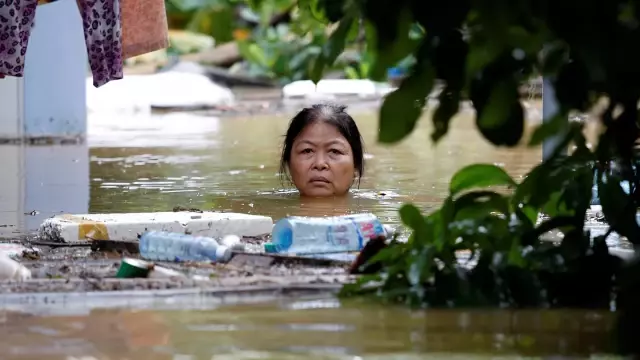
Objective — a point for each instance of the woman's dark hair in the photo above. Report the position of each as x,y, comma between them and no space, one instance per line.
331,114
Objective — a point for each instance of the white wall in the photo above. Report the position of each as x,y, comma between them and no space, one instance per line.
50,99
11,189
11,126
45,179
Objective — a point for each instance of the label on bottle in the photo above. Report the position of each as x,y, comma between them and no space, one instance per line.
342,235
371,229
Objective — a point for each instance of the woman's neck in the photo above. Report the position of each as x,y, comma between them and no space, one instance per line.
325,206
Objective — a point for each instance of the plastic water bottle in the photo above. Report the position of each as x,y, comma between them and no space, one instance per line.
166,246
317,235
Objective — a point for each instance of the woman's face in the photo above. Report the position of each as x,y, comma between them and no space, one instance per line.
321,162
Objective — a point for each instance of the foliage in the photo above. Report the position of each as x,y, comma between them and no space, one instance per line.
509,265
482,51
210,17
270,56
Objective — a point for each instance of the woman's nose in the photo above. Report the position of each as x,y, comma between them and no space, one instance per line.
320,162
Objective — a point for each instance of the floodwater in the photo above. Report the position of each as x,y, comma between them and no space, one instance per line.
321,328
232,165
153,163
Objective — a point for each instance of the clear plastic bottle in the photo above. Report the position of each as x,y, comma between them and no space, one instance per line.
166,246
317,235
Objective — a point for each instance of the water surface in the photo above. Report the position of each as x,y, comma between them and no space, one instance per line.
321,328
153,163
232,165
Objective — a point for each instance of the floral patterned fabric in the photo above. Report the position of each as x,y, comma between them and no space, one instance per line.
103,35
16,21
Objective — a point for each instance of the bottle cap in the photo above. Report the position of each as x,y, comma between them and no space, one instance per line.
270,247
389,231
223,254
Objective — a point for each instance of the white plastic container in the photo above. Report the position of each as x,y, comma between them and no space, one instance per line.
13,270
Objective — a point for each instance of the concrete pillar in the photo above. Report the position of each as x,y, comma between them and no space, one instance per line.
50,100
549,109
39,182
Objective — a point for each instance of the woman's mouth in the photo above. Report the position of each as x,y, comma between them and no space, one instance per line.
319,180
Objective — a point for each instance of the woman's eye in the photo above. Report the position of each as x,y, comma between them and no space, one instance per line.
306,151
335,151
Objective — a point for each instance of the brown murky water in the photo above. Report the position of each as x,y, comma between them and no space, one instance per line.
144,163
304,328
233,165
153,163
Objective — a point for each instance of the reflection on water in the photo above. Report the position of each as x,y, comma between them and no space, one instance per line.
40,181
290,329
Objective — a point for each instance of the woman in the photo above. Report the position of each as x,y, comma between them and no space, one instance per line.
323,154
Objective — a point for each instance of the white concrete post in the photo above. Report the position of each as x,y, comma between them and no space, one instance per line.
39,182
50,100
549,109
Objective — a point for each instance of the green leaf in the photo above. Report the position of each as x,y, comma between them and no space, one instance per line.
302,58
318,69
187,5
411,216
333,9
480,203
550,183
395,254
449,104
479,175
480,55
390,53
495,95
515,255
559,124
528,214
351,73
253,53
618,208
401,109
332,49
255,4
496,112
509,132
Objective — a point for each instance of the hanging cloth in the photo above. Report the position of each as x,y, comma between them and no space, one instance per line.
103,36
144,27
16,21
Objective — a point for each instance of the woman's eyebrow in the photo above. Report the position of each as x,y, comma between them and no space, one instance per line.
306,142
328,143
336,142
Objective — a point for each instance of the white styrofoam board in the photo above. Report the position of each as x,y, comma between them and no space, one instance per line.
127,227
335,87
